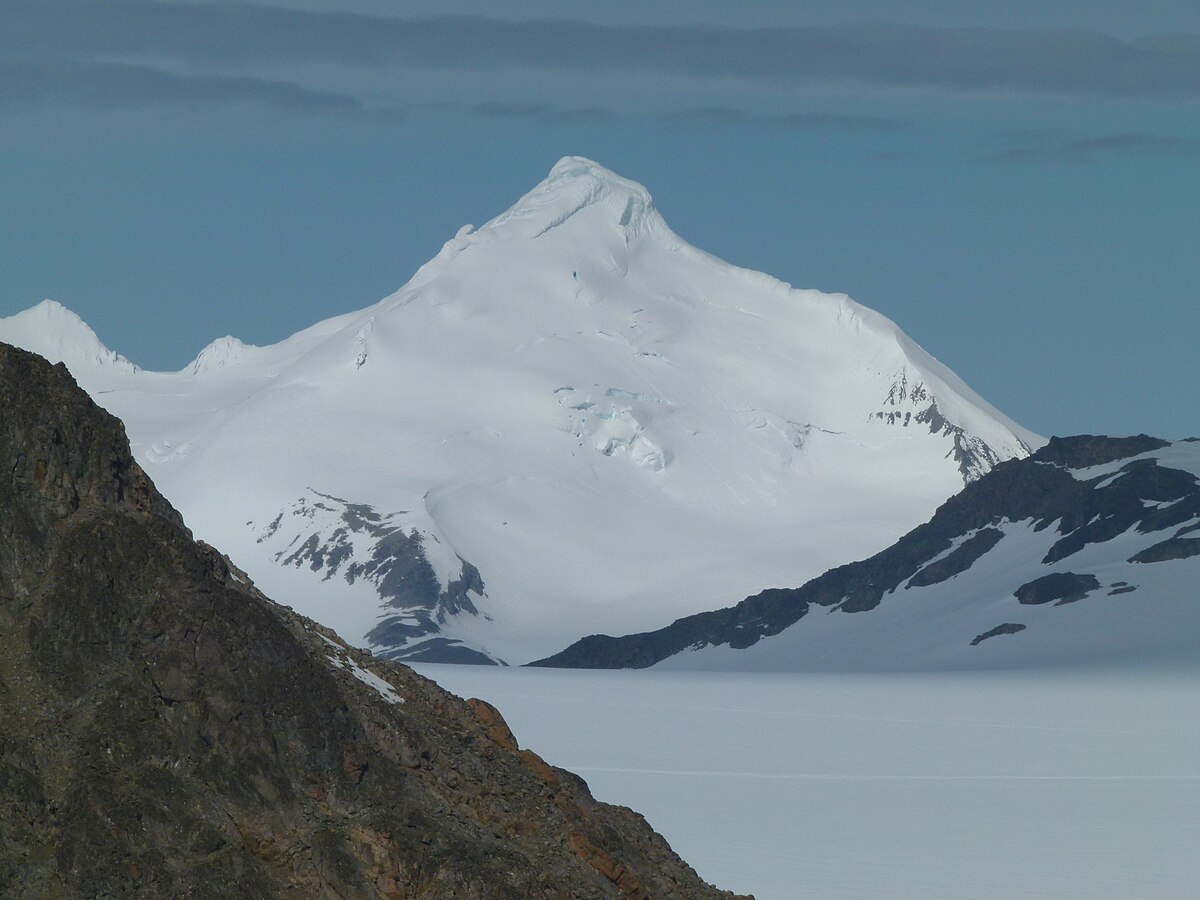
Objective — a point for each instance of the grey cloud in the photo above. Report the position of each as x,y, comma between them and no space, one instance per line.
1083,150
707,115
726,116
541,112
1134,143
838,122
109,85
1055,61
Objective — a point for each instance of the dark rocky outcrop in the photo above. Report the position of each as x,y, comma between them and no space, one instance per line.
1046,488
974,456
357,543
442,650
1083,451
1172,548
1006,628
170,732
1057,588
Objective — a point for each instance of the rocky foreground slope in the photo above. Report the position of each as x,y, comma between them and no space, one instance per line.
170,732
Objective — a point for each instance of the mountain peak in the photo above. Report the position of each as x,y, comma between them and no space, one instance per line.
53,311
55,332
223,352
575,185
574,168
552,407
50,307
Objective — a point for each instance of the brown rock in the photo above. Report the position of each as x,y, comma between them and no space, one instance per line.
607,865
541,768
493,724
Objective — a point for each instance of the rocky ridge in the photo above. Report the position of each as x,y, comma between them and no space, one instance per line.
171,732
1085,516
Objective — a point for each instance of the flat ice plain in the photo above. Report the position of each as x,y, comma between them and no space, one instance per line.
998,785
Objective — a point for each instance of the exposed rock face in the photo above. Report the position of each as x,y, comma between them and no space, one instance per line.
1172,548
974,456
355,542
170,732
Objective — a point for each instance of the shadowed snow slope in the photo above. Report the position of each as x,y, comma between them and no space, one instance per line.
569,420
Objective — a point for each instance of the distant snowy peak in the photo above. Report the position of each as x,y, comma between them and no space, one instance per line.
603,214
224,352
54,332
569,404
586,255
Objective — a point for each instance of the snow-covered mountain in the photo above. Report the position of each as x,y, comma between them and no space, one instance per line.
568,421
57,334
1086,553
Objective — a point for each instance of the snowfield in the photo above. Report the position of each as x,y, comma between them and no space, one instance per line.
1037,784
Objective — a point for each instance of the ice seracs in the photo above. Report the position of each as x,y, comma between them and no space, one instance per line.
609,427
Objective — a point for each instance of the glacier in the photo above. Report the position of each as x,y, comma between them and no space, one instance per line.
1079,783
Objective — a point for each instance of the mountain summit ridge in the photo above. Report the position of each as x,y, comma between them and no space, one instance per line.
574,184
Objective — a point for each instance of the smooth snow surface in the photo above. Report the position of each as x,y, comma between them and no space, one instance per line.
614,428
1066,786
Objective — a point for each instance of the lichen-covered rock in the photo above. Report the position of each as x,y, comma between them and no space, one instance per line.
170,732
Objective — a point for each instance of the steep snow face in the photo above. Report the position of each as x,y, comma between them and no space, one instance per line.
610,427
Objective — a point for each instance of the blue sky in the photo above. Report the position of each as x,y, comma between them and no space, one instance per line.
1017,184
